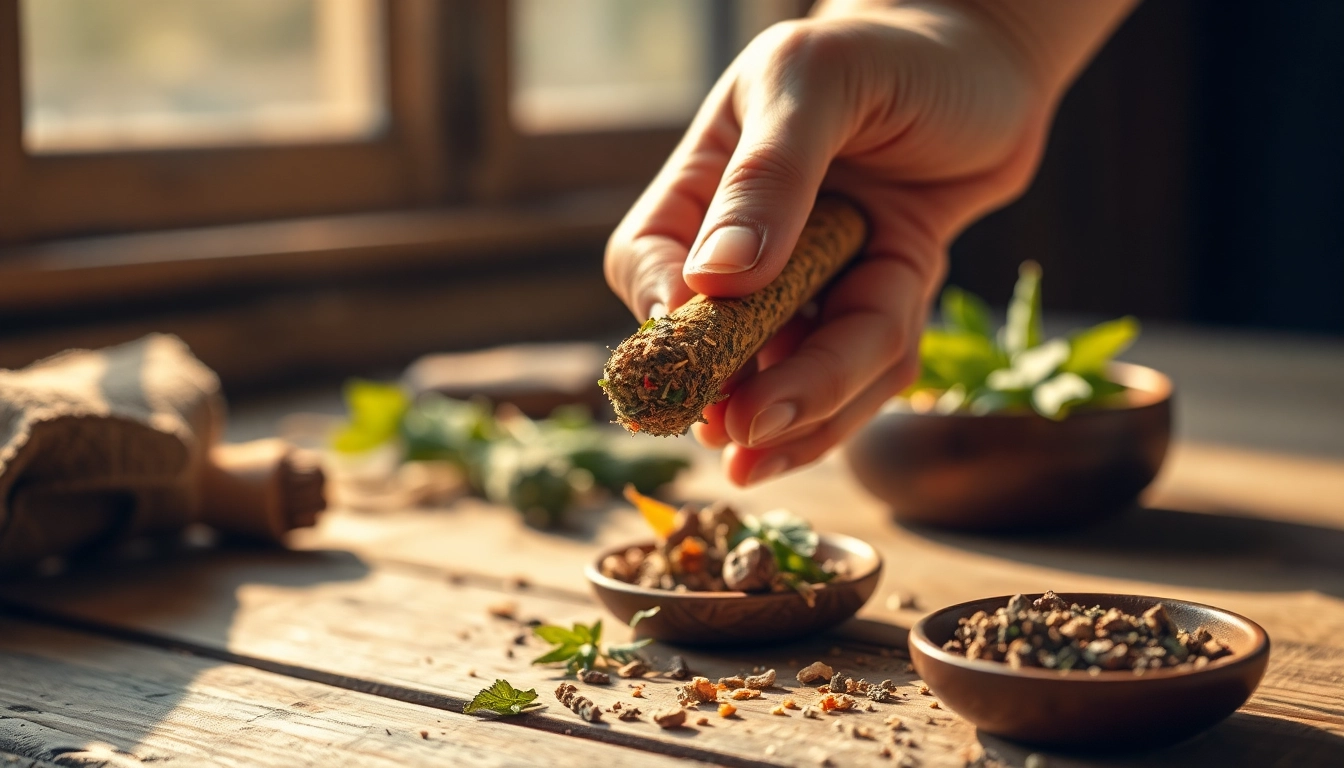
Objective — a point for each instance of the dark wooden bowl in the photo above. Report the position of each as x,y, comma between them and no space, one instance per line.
740,618
1017,471
1112,711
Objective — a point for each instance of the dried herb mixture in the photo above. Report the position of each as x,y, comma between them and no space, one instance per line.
1052,634
713,549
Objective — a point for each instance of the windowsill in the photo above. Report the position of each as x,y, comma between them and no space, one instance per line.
56,274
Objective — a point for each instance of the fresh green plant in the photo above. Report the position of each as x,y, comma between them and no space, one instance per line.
966,366
542,467
580,646
502,699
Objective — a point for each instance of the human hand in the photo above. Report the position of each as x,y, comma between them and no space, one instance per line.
926,116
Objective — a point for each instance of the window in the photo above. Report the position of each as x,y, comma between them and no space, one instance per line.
106,75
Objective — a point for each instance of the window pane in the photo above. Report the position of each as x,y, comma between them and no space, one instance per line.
121,74
599,64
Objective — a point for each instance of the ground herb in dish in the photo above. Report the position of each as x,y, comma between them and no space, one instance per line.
1052,634
713,550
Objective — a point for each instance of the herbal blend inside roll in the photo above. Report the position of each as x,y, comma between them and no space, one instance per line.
662,378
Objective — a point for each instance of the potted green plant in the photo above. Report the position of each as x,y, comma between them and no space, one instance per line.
1009,430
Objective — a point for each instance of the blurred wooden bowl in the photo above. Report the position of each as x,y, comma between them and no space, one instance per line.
1017,471
741,618
1109,712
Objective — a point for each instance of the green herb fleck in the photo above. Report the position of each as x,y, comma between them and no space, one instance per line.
502,699
645,614
648,324
603,383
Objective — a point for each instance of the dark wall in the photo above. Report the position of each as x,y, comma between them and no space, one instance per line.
1195,172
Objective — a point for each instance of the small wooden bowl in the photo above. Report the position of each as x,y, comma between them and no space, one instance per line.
1112,711
1017,471
740,618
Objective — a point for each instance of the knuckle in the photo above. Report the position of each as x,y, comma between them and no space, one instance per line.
807,49
770,166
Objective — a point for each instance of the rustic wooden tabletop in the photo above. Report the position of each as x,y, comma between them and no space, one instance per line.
362,646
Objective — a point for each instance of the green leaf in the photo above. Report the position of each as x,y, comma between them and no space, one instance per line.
992,401
558,653
502,699
1093,348
648,324
375,412
781,525
1030,367
645,614
966,312
624,654
1102,386
1053,398
558,635
958,357
1023,329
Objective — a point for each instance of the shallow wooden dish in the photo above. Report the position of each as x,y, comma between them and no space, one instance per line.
739,618
1112,711
1017,471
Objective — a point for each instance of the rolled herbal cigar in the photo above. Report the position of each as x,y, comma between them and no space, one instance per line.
661,379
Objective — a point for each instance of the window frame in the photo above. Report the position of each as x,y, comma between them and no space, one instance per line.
409,163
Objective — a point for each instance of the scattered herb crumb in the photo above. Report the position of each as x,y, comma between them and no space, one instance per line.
677,669
761,681
507,609
582,706
817,670
424,735
669,718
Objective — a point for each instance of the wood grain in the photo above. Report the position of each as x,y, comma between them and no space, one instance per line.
417,634
74,700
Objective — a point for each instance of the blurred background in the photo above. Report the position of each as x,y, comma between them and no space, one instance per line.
310,189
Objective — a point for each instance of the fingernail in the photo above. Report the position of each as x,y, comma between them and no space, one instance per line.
728,250
767,469
770,422
659,309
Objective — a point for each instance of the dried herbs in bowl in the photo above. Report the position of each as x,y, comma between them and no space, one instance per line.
713,549
721,579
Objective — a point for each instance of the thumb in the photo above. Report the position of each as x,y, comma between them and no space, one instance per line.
764,197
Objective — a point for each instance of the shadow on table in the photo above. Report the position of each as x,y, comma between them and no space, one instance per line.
1241,740
1194,549
81,690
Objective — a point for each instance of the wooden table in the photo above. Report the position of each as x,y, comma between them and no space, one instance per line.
361,647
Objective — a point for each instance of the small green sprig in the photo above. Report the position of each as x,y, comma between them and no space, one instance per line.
579,647
502,699
966,366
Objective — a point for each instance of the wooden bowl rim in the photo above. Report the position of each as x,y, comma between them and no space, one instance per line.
593,571
1260,644
1151,387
